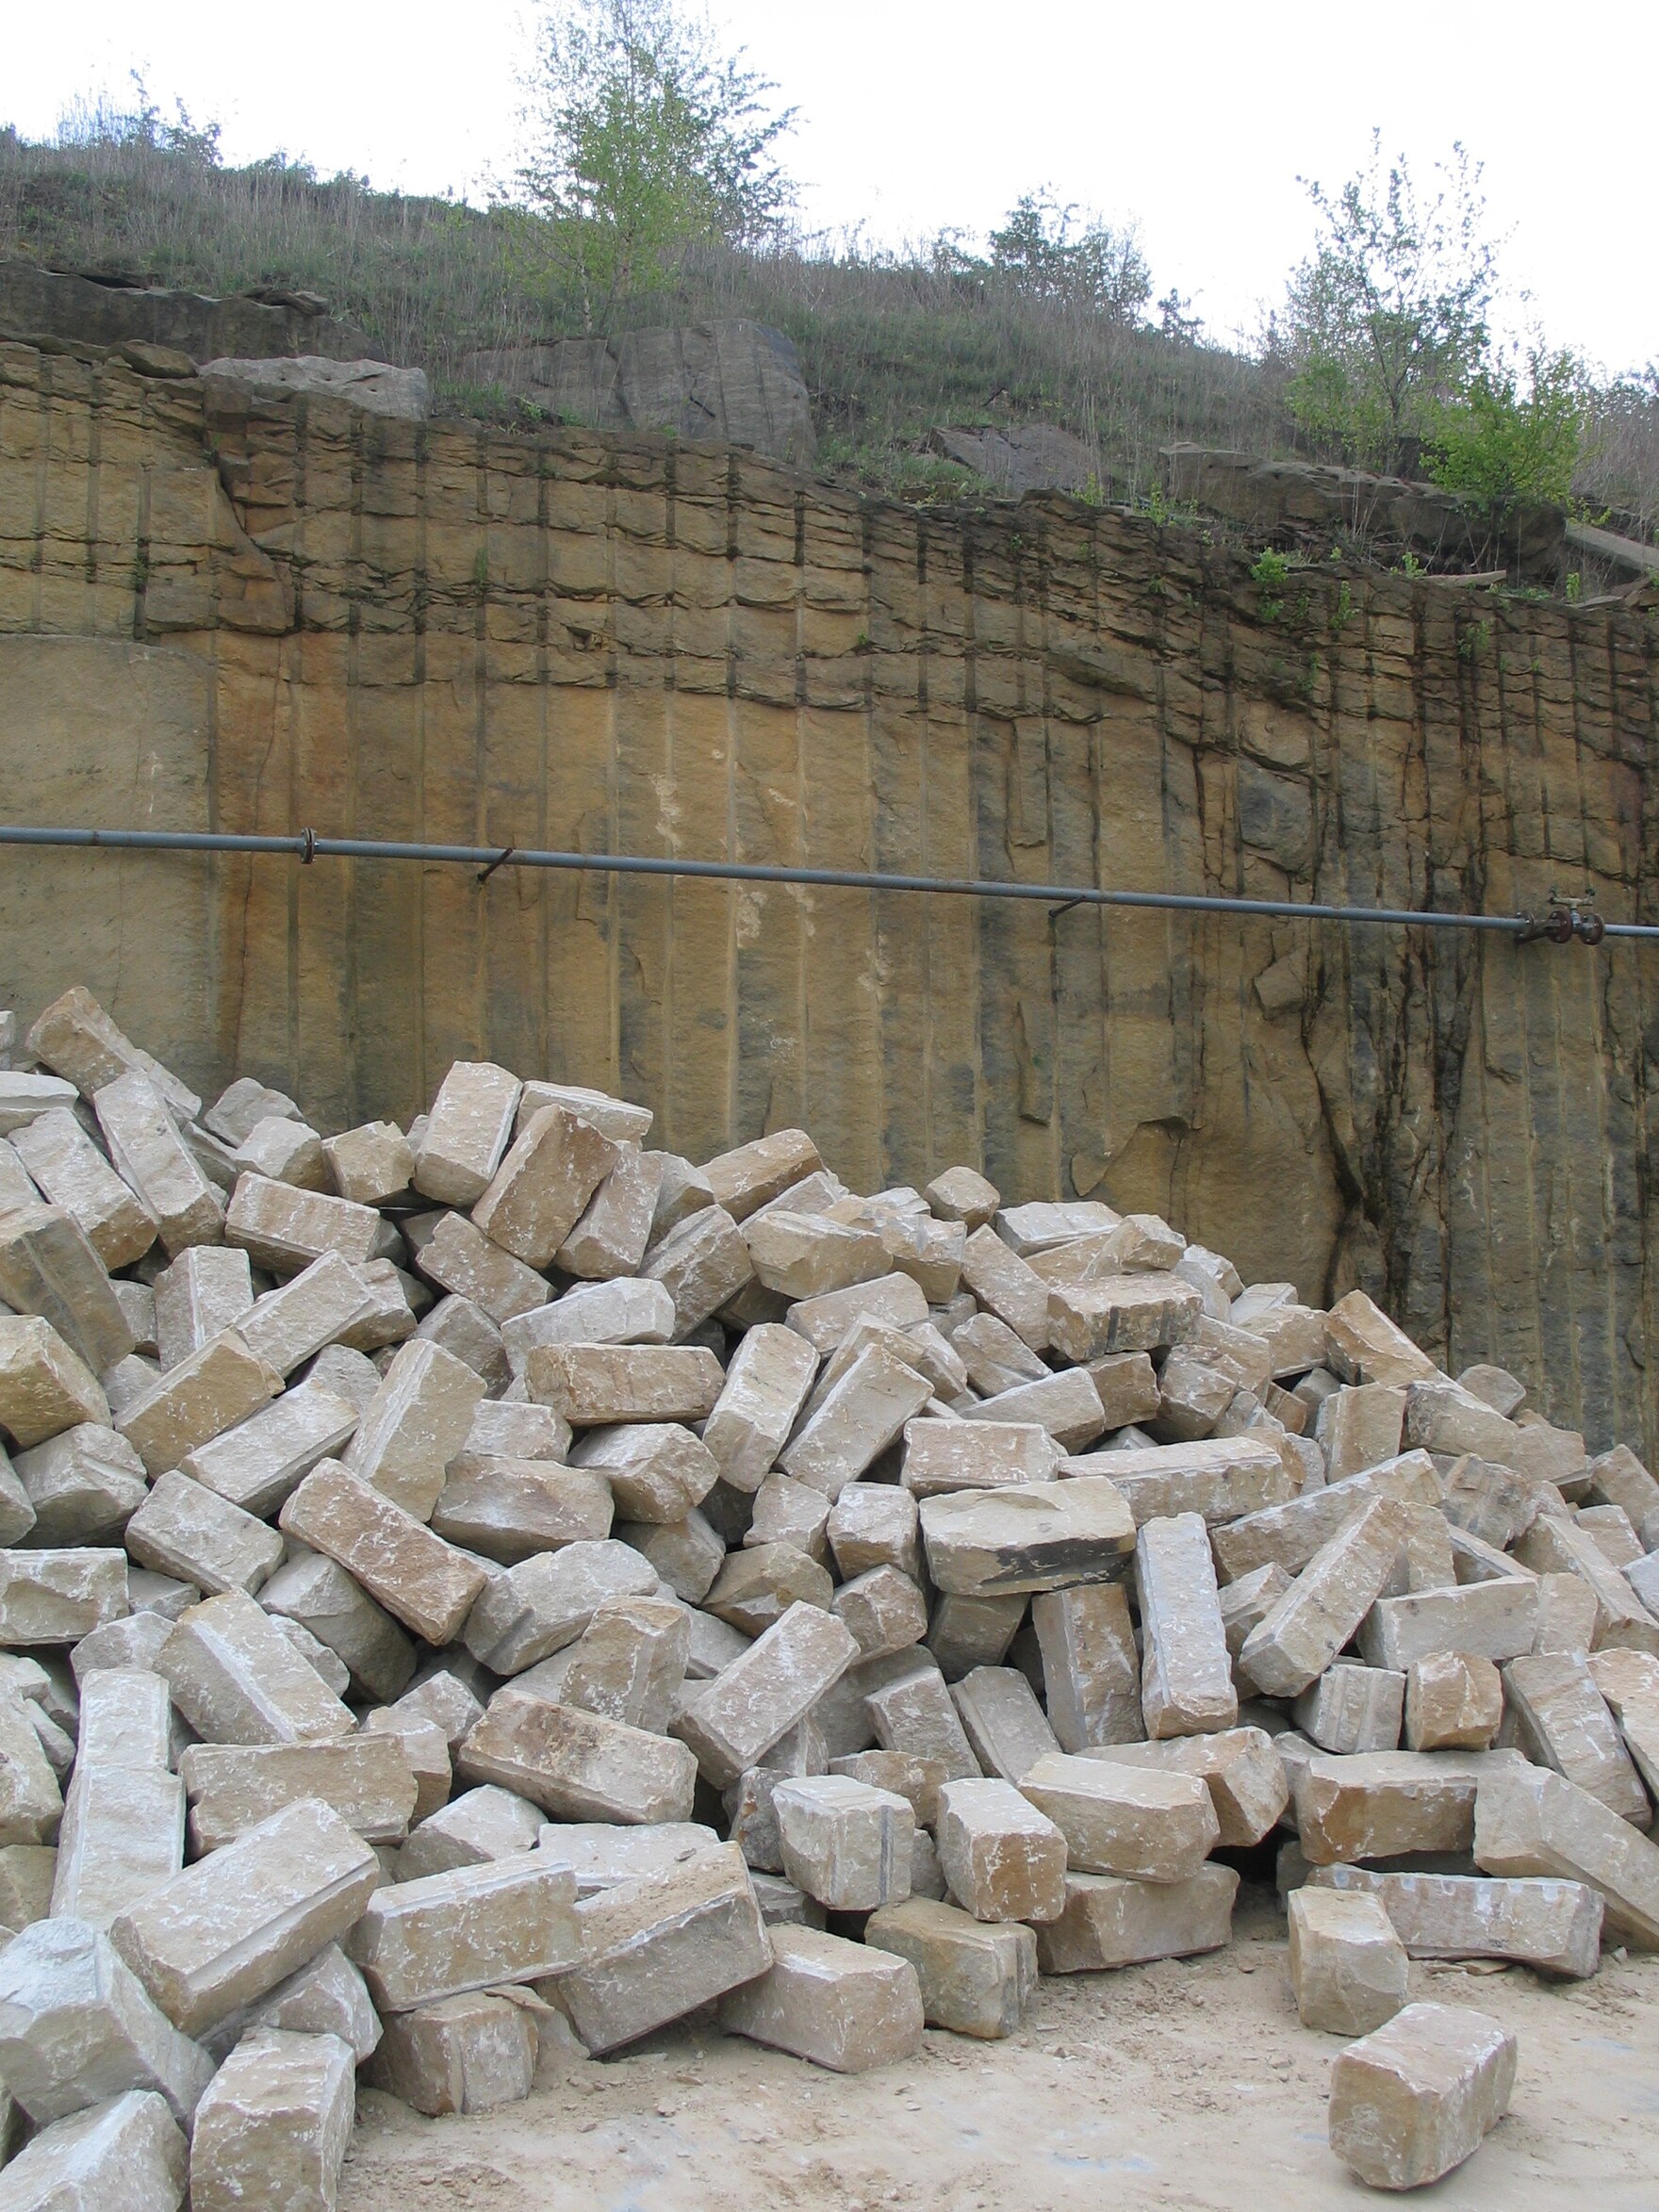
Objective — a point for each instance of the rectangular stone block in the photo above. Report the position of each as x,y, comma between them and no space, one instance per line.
844,2005
229,1928
1553,1926
1136,1823
1560,1719
600,1854
262,1461
233,1788
702,1264
966,1632
911,1711
976,1979
1187,1677
471,2054
49,1267
1040,1537
613,1232
1531,1822
1353,1709
1007,1729
859,1415
1348,1968
509,1509
1002,1858
1120,1313
628,1311
58,1596
1219,1478
83,1487
1552,1546
322,1597
577,1765
148,1154
189,1533
208,1289
1006,1285
422,1580
77,1040
843,1841
764,1692
1108,1923
1090,1668
590,1384
875,1524
276,2125
467,1130
31,1803
537,1607
237,1680
452,1252
123,1837
753,1175
1364,1346
895,1300
292,1323
187,1405
940,1456
629,1662
285,1230
1384,1804
415,1424
1489,1620
1241,1767
124,2155
657,1948
765,1386
1419,2096
44,1386
1325,1604
470,1927
1288,1535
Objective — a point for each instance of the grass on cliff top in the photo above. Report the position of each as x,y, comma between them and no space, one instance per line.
890,346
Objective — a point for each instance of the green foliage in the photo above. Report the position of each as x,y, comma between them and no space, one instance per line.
1042,252
1271,571
646,140
1388,319
1342,613
1504,444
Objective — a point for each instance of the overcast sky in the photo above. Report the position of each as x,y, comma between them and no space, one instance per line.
1195,120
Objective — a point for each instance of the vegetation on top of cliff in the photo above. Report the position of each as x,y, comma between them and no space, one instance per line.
649,192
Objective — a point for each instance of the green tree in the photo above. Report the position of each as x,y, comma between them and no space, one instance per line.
644,139
1042,250
1387,320
1506,441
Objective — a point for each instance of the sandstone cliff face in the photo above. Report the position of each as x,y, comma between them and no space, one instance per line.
291,615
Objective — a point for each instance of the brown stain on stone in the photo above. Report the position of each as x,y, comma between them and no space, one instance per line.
435,631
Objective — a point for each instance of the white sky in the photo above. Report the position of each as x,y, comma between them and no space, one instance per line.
1196,119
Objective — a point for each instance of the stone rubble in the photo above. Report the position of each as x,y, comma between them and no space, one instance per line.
495,1587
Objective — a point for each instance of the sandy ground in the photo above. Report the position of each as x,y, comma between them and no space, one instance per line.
1188,2084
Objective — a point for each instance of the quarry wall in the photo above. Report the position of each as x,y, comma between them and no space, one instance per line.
269,615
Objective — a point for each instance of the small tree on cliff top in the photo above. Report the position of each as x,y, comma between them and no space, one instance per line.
644,139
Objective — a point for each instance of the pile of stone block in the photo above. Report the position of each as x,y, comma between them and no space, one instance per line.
495,1586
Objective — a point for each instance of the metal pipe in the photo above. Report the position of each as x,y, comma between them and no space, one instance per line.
308,846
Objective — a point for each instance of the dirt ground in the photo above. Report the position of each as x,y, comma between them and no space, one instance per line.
1188,2084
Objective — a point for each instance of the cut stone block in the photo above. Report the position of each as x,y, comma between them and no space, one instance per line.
78,1041
186,1530
702,1264
187,1405
1091,1669
239,1109
1219,1478
903,1774
123,1837
765,1386
1359,1428
391,1302
1241,1767
276,2125
1384,1804
451,1251
844,1842
229,1928
466,1332
58,1596
630,1311
1353,1709
1617,1478
322,1598
135,1640
1120,1313
124,2155
1348,1968
1453,1702
872,1525
1561,1720
1136,1822
1040,1536
71,1173
961,1195
994,1358
757,1586
577,1765
237,1680
966,1632
600,1855
895,1300
844,2005
233,1788
786,1512
287,1151
753,1175
1288,1535
593,1384
326,1997
1002,1858
470,1927
1553,1926
610,1239
976,1979
911,1711
83,1487
258,1464
1559,1546
425,1582
474,1829
803,1256
207,1290
1364,1346
1629,1680
687,1554
858,1417
1611,1527
44,1386
31,1803
657,1470
630,1662
77,2027
1187,1685
615,1118
370,1163
1006,1727
1009,1288
657,1948
285,1230
537,1607
1419,2096
416,1423
1493,1620
941,1456
1248,1601
1531,1822
884,1609
26,1874
148,1154
471,2054
466,1132
1110,1923
1325,1604
764,1692
510,1509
